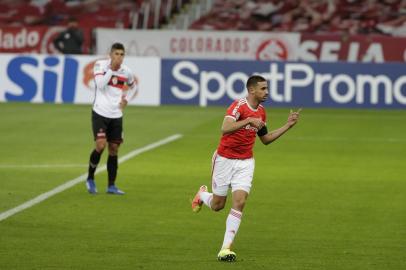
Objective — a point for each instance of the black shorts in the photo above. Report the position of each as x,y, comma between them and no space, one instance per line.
109,128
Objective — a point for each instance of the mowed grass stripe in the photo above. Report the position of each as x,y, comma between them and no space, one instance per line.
82,178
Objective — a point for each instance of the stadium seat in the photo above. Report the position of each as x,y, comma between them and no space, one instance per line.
311,16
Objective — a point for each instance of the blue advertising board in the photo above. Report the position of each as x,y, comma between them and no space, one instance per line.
41,78
294,84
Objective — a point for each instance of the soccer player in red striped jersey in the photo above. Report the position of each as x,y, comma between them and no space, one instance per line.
115,86
233,163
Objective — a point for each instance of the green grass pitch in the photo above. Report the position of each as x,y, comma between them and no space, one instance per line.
330,194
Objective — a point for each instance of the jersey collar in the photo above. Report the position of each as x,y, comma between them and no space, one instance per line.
249,106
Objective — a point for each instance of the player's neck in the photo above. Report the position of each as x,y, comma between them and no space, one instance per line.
253,102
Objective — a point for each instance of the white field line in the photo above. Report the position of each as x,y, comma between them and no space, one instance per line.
71,183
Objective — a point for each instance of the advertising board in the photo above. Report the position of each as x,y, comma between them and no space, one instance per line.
69,79
298,84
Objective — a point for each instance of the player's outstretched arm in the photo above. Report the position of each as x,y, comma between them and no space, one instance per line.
293,118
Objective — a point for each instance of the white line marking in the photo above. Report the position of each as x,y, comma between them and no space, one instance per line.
82,178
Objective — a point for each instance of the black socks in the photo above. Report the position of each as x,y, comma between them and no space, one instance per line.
93,162
112,166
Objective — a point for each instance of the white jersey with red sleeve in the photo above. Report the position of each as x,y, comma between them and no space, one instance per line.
239,144
110,87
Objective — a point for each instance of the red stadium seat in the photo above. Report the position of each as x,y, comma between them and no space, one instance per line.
314,16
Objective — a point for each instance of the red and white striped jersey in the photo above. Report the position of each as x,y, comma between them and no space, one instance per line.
239,144
110,86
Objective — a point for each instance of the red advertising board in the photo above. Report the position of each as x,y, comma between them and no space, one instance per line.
358,48
37,39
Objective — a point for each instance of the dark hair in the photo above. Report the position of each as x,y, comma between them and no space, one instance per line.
254,79
117,46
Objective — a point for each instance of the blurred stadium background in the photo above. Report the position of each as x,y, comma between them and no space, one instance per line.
330,194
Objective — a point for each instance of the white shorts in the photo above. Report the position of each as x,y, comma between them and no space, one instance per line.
234,173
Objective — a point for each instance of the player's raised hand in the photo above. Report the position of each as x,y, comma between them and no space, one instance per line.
293,117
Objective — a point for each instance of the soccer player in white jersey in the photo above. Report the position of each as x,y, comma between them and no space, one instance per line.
233,162
114,88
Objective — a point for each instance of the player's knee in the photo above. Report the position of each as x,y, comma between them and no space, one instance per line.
100,145
113,149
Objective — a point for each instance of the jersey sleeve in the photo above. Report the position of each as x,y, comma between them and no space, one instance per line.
263,115
101,74
264,130
234,111
98,69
